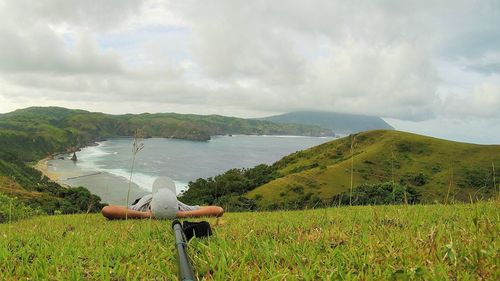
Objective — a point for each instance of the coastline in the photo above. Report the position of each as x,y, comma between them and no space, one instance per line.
43,167
112,189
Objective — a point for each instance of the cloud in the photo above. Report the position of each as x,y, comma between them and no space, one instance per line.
72,14
39,50
483,102
255,57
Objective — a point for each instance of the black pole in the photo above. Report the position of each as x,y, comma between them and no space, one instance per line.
185,269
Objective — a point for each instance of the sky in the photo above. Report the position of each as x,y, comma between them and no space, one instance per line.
430,67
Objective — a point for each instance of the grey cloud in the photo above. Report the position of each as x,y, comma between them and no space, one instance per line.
372,66
483,102
487,64
95,15
377,57
30,41
488,68
38,49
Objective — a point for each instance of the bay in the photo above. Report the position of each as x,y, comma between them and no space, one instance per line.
105,169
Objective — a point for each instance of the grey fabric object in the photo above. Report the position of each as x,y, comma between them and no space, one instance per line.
185,207
144,204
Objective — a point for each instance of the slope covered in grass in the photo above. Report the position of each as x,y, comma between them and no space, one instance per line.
436,168
433,242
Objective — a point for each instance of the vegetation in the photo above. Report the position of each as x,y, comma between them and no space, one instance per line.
436,169
404,242
378,194
390,242
31,134
338,122
429,169
11,209
37,191
227,189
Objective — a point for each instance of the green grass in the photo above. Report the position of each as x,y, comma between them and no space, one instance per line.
427,242
426,163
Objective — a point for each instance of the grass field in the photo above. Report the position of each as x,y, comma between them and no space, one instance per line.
428,242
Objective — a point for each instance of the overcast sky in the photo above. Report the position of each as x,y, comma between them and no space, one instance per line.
431,67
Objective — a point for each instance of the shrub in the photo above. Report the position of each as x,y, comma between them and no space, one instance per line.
414,179
234,182
11,209
378,194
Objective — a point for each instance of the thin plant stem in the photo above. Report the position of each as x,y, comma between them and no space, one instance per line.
136,147
406,195
352,169
392,171
10,211
449,187
497,189
129,186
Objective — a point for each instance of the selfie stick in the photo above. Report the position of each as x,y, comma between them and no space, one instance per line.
185,269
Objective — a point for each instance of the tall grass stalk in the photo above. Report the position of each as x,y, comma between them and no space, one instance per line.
10,211
392,172
449,187
353,139
494,181
137,146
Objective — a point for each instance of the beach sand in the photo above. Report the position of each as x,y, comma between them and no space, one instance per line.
43,166
112,189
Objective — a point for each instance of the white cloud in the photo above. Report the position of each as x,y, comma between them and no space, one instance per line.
483,102
97,16
405,60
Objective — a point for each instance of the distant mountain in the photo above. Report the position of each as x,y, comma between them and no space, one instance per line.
342,123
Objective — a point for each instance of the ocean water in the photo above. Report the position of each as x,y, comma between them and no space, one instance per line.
105,169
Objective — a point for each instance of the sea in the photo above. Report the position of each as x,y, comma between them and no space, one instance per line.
105,169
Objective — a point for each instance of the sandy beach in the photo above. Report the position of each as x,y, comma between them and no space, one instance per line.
43,166
112,189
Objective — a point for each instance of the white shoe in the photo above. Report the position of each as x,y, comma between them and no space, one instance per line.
164,203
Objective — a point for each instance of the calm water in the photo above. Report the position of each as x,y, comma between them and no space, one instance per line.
105,169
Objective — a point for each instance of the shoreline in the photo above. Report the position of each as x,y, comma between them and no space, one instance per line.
43,167
111,188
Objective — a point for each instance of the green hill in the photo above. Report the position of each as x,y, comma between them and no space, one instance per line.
429,242
386,163
342,123
428,164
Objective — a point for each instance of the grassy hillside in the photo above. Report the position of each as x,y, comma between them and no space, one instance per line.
434,167
339,122
433,242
